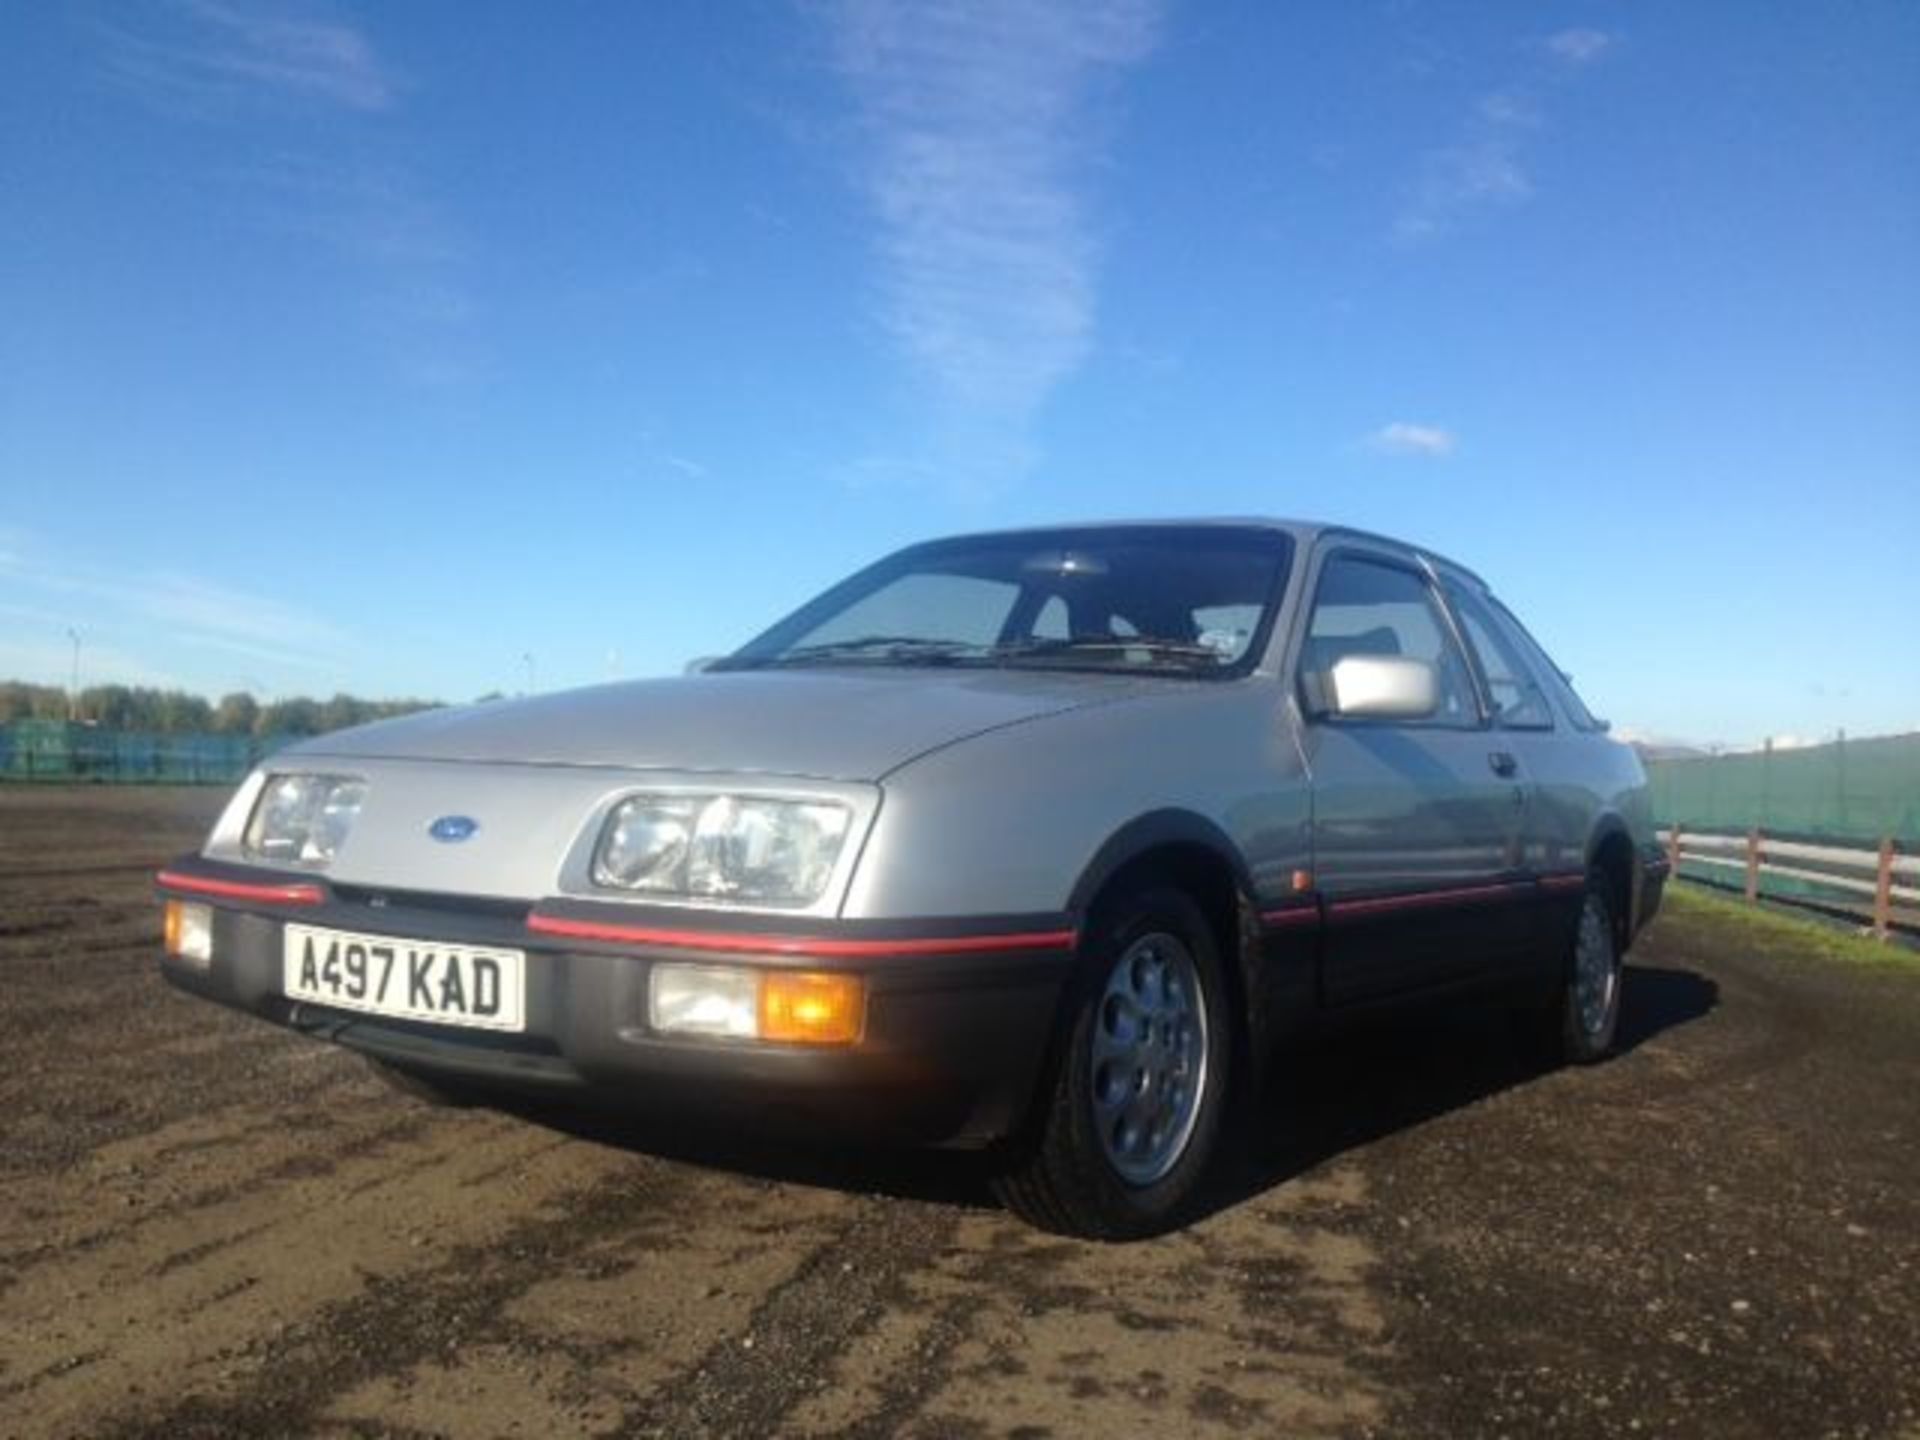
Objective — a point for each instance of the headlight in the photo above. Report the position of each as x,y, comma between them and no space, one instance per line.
303,819
722,847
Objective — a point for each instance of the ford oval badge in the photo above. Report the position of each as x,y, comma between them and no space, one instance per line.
452,829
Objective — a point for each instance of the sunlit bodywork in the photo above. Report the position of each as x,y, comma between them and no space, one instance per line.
982,814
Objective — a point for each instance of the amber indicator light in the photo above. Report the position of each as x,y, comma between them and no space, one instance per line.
810,1007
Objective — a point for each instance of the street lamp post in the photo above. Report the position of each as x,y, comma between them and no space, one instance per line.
73,691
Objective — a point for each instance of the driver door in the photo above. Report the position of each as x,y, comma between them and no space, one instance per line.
1417,823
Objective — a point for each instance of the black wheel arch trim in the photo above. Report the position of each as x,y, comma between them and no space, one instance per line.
1605,829
1242,941
1612,829
1157,830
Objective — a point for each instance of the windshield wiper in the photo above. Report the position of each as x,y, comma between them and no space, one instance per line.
1156,646
922,650
875,649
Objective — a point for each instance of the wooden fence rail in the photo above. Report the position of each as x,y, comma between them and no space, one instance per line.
1877,882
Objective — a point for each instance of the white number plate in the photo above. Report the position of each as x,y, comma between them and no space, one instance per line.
481,989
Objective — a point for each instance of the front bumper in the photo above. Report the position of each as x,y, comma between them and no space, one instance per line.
958,1016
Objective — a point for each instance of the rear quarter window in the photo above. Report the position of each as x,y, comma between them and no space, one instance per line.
1518,700
1552,677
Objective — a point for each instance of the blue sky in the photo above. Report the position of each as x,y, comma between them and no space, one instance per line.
376,348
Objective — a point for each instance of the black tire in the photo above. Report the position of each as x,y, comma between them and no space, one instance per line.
1583,1023
439,1093
1064,1177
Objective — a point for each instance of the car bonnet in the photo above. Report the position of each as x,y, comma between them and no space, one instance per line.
851,725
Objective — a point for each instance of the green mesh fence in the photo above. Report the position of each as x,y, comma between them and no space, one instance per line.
53,750
1851,789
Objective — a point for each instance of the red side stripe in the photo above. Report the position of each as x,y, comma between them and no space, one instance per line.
265,894
1408,901
1291,915
1575,880
749,944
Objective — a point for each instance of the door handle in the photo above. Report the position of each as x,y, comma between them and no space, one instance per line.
1503,763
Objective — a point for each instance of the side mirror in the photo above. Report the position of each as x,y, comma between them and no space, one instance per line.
700,664
1383,687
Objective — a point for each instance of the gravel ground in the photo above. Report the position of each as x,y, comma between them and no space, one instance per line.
208,1227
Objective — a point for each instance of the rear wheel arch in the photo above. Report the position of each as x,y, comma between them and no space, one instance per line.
1611,856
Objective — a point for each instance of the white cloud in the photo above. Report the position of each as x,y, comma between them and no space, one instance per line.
1503,107
369,211
1404,438
52,620
1792,742
1485,166
192,613
204,54
1580,45
50,662
219,65
976,145
1485,171
216,611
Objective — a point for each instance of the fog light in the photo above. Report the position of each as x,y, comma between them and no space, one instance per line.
787,1007
717,1000
811,1008
189,929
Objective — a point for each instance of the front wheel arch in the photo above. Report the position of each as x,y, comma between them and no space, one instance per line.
1177,837
1188,852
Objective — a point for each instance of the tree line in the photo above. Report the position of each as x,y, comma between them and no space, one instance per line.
178,712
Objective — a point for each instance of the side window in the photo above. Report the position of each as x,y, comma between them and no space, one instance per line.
1517,699
1372,607
1227,629
1052,622
1551,674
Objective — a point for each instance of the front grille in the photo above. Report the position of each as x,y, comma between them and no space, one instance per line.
476,906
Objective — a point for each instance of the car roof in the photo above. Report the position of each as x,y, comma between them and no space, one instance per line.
1304,532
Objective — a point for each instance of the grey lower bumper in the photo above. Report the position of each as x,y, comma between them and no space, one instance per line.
951,1053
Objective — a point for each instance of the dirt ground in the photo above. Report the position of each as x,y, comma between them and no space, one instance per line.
208,1227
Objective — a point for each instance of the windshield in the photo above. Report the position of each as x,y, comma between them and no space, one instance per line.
1180,600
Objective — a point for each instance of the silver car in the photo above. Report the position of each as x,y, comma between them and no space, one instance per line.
1034,841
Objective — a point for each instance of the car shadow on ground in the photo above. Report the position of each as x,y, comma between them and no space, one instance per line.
1331,1093
1345,1088
750,1147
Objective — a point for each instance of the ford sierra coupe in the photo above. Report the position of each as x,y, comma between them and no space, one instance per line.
1034,842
